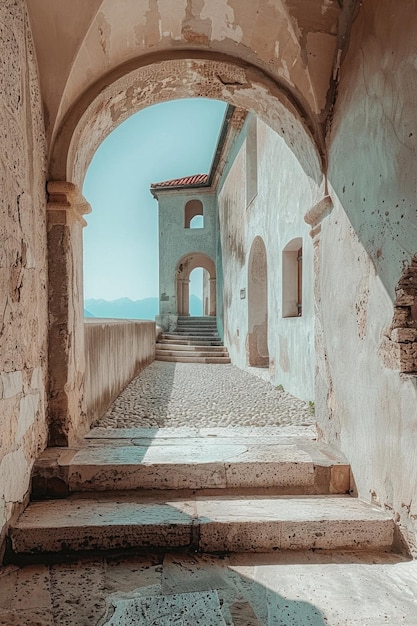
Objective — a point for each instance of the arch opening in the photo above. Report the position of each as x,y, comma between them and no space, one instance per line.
184,269
107,103
257,339
124,91
199,292
194,214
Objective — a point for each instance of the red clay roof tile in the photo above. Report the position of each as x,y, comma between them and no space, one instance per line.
196,179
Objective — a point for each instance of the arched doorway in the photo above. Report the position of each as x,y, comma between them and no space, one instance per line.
183,271
257,339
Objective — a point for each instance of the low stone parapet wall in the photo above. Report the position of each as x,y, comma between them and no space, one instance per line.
115,351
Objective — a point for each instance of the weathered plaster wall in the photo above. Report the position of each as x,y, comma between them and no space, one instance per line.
108,104
276,214
176,241
295,41
367,408
23,261
116,351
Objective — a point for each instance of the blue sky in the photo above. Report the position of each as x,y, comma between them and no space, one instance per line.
164,141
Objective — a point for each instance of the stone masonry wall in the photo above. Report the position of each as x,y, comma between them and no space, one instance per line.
23,263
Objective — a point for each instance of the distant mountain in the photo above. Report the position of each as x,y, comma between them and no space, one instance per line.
125,308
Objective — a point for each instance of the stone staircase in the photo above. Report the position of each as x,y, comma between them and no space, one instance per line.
205,490
195,340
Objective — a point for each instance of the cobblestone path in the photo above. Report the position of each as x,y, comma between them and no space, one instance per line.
199,395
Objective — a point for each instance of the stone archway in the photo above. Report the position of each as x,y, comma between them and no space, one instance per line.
257,339
183,270
108,103
97,112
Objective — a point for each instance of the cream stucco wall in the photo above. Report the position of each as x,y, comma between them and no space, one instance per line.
276,214
23,262
116,351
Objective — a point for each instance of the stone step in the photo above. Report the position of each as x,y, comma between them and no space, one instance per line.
191,318
193,359
211,341
191,337
196,330
200,354
119,460
196,322
206,524
190,347
195,333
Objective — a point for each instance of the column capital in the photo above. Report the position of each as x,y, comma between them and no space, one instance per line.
66,203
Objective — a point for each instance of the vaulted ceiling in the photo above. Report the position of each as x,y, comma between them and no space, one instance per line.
296,44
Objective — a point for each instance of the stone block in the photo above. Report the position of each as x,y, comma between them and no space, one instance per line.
404,335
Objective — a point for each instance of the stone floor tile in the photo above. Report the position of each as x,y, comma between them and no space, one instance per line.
8,578
185,573
188,609
124,575
78,593
25,589
340,589
318,588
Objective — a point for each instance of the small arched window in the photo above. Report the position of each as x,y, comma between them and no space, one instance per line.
292,278
193,214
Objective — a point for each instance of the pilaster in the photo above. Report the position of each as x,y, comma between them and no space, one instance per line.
65,210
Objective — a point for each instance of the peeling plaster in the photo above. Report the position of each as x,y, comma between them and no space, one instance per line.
104,32
222,18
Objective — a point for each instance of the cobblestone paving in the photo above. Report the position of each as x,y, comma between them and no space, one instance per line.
190,394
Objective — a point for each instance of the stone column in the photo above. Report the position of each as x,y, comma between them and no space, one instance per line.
66,207
212,296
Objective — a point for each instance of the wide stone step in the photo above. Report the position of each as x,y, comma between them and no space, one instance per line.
185,319
191,348
193,359
190,342
195,329
196,332
205,524
200,354
197,324
204,321
120,459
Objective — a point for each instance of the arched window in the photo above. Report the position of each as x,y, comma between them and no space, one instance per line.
292,278
193,214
